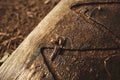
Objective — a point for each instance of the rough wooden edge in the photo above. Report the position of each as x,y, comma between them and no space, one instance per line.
16,62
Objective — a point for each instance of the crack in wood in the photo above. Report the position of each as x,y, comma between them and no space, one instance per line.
110,32
47,64
50,69
78,4
83,50
86,49
35,55
100,26
92,21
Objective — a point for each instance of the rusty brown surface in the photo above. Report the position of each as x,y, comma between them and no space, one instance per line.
92,47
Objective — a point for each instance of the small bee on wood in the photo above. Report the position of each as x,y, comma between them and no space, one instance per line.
58,43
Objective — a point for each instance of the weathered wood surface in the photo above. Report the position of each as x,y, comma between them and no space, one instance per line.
92,39
16,63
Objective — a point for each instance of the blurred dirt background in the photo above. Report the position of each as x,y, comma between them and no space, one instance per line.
18,18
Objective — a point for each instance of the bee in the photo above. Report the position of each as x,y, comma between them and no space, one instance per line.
58,43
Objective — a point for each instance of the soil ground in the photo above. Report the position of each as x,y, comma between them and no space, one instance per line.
18,18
